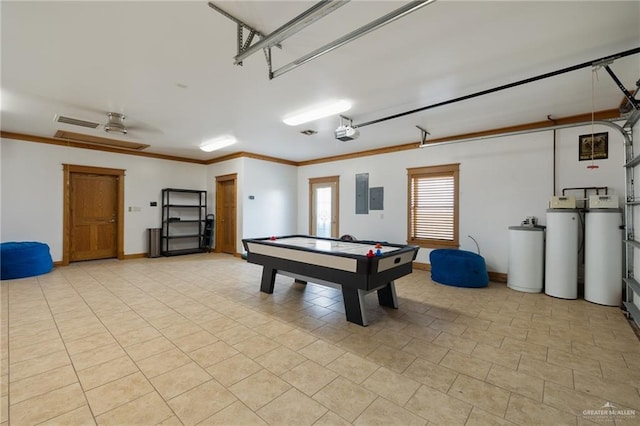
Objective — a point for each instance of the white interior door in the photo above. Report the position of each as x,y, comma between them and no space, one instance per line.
323,194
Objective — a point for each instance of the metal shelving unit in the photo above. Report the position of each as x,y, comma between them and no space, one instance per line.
183,220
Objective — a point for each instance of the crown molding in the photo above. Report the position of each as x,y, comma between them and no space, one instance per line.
610,114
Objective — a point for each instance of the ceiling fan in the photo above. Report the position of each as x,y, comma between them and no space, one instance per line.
115,123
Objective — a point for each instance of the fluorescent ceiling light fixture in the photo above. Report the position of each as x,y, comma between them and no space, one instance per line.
218,143
318,112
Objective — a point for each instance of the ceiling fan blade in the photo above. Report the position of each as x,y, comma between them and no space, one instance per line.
140,127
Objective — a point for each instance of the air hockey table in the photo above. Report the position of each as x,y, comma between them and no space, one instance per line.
328,261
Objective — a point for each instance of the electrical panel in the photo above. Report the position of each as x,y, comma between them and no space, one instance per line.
563,202
603,202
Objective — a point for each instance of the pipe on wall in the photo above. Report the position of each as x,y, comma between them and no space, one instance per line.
555,192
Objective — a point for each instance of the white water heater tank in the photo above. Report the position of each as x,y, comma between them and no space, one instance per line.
561,254
603,257
526,258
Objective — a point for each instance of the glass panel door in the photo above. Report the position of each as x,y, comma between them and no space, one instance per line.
323,207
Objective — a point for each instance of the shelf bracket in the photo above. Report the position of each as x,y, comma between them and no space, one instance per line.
423,136
306,18
243,44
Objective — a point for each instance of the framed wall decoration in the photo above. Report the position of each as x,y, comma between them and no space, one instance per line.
593,146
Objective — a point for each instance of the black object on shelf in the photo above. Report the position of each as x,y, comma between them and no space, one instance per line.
183,221
207,234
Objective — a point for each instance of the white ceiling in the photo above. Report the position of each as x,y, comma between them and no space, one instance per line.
83,59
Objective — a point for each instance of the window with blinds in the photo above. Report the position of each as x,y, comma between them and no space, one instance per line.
433,206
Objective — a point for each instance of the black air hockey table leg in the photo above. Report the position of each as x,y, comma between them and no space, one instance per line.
354,302
387,295
354,306
268,279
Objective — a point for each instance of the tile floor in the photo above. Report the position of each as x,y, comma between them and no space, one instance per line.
190,340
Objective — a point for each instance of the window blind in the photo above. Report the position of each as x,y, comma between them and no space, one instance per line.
433,207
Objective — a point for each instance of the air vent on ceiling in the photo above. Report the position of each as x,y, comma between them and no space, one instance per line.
95,140
76,121
308,132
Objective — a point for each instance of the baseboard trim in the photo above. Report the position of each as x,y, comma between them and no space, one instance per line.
128,257
422,266
496,277
135,256
125,257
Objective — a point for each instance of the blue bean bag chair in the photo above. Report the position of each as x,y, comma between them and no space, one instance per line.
458,268
24,259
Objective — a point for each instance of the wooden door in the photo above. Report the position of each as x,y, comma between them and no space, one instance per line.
226,214
94,216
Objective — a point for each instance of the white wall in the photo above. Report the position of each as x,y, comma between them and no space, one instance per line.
573,173
502,180
32,190
31,198
273,186
273,209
